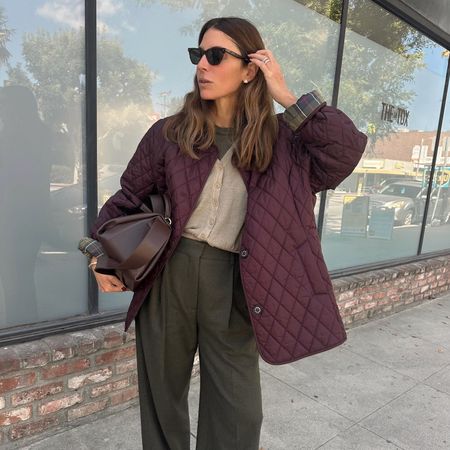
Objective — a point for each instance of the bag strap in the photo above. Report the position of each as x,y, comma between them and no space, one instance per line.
160,204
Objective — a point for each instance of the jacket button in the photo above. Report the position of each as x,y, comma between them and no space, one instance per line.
257,310
244,253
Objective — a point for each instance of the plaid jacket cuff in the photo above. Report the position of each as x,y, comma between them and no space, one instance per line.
303,109
90,247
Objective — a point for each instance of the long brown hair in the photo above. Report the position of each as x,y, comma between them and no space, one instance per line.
255,124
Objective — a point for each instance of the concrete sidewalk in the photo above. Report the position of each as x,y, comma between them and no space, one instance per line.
386,387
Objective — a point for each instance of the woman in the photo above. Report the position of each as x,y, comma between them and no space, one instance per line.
244,259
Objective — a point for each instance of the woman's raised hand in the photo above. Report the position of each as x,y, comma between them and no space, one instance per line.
274,77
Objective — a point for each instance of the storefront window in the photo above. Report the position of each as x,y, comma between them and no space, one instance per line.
144,70
437,231
42,274
391,86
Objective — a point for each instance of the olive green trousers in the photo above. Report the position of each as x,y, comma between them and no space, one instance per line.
198,301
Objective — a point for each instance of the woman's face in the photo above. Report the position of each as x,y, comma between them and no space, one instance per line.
225,78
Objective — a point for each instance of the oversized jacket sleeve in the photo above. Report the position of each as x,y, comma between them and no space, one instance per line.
137,181
325,138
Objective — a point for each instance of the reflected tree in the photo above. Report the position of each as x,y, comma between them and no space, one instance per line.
5,37
54,69
381,57
174,104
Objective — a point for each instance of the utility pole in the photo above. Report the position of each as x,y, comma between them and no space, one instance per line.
163,95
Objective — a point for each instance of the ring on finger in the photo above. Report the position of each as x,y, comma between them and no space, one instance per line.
266,60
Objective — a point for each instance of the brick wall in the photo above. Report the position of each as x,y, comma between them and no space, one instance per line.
69,379
53,382
386,291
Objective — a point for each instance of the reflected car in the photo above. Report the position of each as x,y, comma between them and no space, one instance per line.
408,199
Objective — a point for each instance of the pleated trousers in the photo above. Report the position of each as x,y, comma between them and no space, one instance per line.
198,302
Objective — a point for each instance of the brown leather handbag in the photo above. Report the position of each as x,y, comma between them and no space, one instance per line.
132,244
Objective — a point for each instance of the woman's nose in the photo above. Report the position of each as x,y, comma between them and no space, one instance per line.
203,63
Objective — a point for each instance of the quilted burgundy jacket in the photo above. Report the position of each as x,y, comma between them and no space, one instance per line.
286,283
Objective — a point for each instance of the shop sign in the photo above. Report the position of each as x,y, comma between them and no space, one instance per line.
381,223
391,113
373,163
443,178
355,215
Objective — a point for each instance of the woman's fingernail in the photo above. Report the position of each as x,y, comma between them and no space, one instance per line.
124,288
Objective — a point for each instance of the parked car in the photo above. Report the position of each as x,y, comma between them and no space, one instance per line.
376,188
408,199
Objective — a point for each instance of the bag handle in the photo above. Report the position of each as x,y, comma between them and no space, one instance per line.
160,204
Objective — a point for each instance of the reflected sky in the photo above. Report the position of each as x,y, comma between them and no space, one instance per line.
142,31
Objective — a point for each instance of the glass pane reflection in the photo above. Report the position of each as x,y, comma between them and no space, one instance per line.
437,231
391,86
42,274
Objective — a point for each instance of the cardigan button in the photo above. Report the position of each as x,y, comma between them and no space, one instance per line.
244,253
257,309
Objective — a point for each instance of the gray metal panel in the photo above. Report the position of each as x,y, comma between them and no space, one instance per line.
436,11
407,11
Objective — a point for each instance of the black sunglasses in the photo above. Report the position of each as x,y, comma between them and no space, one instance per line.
214,55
